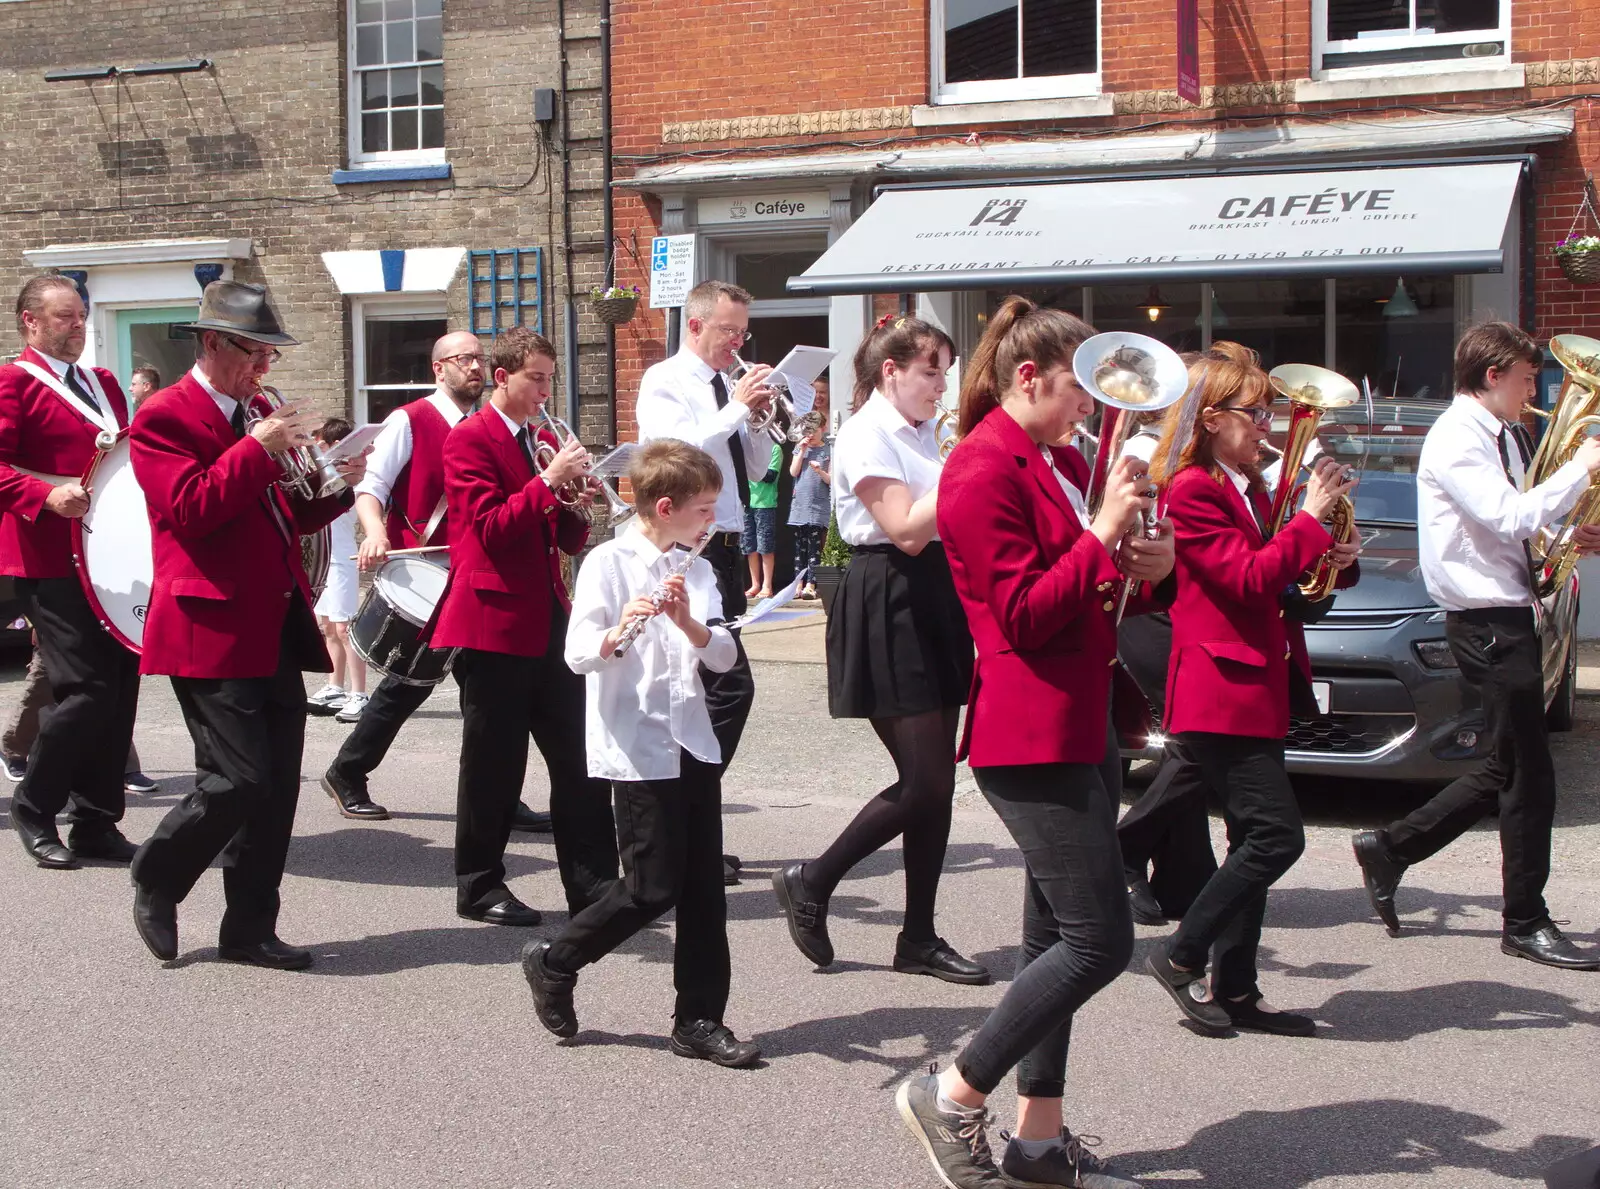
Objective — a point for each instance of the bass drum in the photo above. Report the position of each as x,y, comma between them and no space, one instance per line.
111,546
316,554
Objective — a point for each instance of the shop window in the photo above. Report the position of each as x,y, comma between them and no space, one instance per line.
985,50
1379,36
396,81
1398,333
393,351
1169,312
1283,320
764,274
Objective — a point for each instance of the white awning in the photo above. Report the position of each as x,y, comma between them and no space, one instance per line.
1397,219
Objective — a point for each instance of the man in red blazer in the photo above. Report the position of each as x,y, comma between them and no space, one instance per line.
506,608
54,416
230,622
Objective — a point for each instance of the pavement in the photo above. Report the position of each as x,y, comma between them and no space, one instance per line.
408,1055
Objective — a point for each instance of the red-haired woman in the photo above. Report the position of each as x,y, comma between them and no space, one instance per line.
899,654
1039,579
1235,654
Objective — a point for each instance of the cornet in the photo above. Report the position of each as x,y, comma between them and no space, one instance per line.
572,493
306,472
777,419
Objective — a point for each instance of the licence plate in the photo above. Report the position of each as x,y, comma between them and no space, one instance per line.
1322,691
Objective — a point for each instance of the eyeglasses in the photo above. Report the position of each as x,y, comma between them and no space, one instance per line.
258,354
463,361
732,332
1260,415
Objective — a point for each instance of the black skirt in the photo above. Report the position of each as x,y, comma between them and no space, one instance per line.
898,642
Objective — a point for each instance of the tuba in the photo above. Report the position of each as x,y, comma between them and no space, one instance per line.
1576,412
305,471
777,419
1312,391
1128,374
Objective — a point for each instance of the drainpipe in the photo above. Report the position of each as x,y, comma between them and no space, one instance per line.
610,217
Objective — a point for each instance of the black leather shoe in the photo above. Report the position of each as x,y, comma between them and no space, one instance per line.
1188,990
936,957
1382,873
271,953
1146,908
730,873
531,821
352,802
708,1040
552,993
47,850
109,845
808,918
155,916
509,911
1548,946
733,861
1245,1013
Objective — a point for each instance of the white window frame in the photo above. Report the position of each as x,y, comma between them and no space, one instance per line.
383,308
1321,47
1054,86
358,159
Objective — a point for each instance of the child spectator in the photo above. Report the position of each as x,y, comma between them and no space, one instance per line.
761,528
811,504
345,695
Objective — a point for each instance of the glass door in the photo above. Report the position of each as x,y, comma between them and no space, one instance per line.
146,338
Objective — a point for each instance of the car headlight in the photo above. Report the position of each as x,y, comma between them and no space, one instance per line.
1434,654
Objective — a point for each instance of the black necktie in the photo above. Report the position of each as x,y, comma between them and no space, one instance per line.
735,446
1516,433
237,420
525,440
80,390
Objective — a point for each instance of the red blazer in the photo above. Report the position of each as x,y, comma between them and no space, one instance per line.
506,526
1231,644
1041,596
41,432
226,576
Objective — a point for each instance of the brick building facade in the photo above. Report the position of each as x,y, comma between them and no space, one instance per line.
364,159
752,116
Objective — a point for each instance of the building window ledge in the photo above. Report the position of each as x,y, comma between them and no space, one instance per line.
392,173
1431,82
1012,111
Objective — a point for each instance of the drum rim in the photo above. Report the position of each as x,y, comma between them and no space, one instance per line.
80,563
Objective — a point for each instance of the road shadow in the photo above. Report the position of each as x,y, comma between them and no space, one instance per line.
914,1036
394,858
1423,911
1383,1017
413,949
1328,1144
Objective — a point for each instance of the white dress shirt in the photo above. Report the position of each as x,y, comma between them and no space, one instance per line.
645,705
1472,520
224,402
879,443
676,400
391,450
1068,487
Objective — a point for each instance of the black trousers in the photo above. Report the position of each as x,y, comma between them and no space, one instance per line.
248,737
729,695
1265,837
670,833
1166,833
381,719
505,700
1498,652
83,741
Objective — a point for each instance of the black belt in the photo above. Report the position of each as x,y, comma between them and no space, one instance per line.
730,540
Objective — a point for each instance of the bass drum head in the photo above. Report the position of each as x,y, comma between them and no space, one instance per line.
414,585
111,545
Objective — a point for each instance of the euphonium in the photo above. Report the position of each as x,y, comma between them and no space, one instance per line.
1312,391
777,419
305,471
1576,412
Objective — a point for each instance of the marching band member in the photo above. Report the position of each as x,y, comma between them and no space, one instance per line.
401,505
649,734
1473,523
54,414
506,608
688,398
1039,580
899,653
231,623
1235,655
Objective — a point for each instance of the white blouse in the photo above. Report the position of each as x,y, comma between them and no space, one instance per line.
877,442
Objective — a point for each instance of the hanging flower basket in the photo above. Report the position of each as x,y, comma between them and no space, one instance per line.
1579,258
616,305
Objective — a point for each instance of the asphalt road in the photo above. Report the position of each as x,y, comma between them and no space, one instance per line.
408,1055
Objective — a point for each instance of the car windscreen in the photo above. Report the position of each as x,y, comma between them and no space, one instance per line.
1383,453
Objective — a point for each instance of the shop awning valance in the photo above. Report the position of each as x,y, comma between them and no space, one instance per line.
1446,218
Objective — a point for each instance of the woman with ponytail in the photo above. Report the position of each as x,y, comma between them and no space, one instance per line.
1039,579
899,654
1236,658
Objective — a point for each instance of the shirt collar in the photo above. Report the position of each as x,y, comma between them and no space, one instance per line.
448,409
636,543
695,366
59,366
223,401
881,411
1240,483
512,424
1472,409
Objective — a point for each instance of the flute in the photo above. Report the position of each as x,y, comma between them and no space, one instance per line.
635,626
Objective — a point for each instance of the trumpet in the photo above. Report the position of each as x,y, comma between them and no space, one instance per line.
306,471
571,494
945,430
1128,374
1312,391
777,418
1576,413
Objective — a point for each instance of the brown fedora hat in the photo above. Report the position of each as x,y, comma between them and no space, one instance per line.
240,309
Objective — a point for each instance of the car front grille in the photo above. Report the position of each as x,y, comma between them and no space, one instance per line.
1347,734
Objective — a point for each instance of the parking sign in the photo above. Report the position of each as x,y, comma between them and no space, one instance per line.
671,270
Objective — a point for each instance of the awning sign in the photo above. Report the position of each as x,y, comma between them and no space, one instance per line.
1403,219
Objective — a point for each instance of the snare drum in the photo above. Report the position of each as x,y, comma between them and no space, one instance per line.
387,629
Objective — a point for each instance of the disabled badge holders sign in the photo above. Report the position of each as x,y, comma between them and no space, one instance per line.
671,270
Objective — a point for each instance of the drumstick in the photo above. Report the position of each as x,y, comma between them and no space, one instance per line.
409,552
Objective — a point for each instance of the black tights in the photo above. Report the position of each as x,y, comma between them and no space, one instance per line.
917,805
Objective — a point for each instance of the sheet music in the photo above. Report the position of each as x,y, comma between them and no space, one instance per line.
767,606
614,463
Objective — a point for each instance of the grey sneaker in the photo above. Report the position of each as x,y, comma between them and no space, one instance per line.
1068,1163
957,1145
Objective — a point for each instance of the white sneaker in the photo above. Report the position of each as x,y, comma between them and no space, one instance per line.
354,704
326,700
